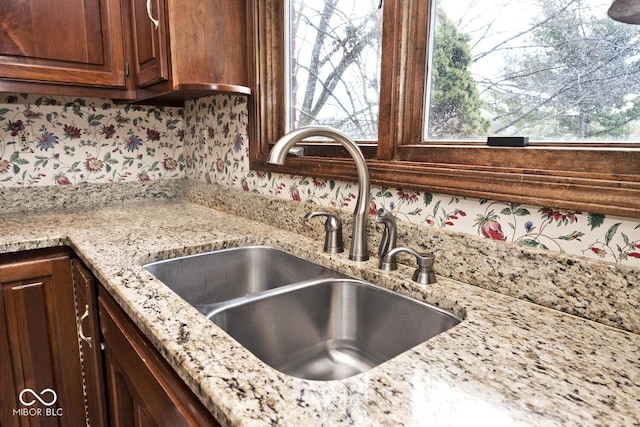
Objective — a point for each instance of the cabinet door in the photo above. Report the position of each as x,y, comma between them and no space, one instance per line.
63,41
39,353
149,33
142,388
90,345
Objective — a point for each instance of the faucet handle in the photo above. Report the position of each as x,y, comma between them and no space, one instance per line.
333,232
424,274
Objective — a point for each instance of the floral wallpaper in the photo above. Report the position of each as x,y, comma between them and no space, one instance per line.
56,140
216,151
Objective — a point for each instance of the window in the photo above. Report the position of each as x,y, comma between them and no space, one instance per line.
553,70
446,82
333,65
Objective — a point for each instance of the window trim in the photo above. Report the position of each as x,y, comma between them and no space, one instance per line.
599,180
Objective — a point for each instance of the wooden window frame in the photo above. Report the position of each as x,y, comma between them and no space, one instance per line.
599,178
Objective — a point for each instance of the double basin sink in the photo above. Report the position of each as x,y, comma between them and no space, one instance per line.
299,317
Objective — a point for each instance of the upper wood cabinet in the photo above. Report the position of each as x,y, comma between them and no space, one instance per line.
62,42
149,51
150,42
188,49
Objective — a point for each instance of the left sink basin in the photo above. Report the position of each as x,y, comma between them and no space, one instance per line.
213,277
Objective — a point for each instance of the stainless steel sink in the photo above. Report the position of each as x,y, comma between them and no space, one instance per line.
207,279
330,329
301,318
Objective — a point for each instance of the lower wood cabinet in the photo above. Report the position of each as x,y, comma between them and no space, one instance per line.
69,355
143,389
90,344
41,380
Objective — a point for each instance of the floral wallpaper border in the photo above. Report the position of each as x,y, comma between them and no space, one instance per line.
56,140
216,151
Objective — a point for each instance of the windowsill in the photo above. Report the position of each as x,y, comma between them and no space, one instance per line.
588,187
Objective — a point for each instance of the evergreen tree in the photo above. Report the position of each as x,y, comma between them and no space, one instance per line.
454,110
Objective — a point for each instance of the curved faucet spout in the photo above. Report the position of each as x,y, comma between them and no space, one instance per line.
359,250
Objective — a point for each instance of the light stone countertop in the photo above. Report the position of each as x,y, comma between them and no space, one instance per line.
508,363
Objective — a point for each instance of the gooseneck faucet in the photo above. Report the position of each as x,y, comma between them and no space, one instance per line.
359,250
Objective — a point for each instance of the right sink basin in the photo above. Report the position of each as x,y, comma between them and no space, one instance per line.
330,329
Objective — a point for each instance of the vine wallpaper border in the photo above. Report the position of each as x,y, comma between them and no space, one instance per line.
54,140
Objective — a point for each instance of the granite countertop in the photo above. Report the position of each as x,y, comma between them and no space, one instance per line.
508,363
